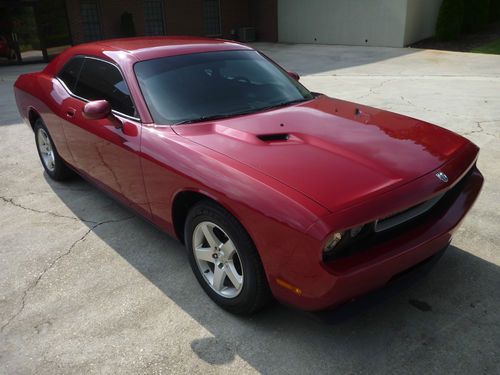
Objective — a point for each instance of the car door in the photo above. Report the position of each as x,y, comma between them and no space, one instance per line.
106,150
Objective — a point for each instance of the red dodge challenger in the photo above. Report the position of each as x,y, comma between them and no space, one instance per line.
274,190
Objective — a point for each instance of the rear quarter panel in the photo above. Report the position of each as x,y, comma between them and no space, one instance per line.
39,94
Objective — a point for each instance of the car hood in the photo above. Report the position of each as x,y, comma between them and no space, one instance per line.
334,152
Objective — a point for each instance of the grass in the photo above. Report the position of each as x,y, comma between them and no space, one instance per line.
492,48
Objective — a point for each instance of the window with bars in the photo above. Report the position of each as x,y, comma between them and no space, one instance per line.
211,17
153,17
91,23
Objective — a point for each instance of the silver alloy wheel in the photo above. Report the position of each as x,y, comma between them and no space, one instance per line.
45,147
217,259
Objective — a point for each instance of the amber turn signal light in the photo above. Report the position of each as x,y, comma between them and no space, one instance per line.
289,286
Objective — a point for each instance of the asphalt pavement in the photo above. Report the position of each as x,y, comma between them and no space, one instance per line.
86,286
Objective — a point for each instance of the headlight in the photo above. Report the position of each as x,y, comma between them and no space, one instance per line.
343,244
332,242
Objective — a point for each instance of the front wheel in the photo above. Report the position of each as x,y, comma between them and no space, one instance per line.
51,161
225,260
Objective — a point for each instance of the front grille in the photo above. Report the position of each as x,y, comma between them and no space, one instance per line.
406,215
391,226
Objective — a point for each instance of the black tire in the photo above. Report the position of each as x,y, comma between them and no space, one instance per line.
255,293
59,171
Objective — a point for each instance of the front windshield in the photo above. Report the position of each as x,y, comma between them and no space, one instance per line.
197,87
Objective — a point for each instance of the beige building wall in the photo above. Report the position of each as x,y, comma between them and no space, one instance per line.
421,18
390,23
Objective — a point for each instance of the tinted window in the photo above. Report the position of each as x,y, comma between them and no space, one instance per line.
102,80
192,87
69,74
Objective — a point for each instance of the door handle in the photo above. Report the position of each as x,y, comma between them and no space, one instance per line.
70,112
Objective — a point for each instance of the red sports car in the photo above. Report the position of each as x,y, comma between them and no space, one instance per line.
274,190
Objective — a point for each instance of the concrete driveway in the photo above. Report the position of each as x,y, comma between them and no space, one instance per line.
86,286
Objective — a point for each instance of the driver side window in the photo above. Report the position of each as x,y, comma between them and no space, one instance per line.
69,74
102,80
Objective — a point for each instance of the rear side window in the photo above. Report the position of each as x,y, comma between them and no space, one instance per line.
101,80
69,74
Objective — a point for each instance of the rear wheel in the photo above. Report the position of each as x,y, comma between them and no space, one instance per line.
225,260
51,161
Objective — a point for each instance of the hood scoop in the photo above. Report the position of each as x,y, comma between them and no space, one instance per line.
274,137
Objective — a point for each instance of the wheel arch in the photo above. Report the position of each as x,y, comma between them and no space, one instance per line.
33,115
183,202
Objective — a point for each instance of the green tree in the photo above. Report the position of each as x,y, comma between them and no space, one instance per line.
476,14
494,10
450,19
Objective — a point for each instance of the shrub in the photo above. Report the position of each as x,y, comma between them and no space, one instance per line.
494,10
476,14
450,19
127,24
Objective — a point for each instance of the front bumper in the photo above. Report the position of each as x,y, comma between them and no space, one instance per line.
395,286
330,284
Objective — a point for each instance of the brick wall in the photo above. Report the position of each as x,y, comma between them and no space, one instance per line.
182,17
74,21
265,16
111,11
235,14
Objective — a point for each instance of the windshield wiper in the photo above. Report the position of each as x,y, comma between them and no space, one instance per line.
282,104
227,115
206,118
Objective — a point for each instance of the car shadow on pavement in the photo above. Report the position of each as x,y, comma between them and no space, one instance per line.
441,322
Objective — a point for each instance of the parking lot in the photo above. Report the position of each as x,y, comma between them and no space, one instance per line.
86,286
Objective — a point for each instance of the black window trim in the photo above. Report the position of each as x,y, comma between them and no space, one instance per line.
87,100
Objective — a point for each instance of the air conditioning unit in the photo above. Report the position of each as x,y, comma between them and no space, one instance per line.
246,34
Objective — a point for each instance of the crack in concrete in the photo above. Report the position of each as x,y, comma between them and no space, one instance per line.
481,130
34,284
15,204
371,90
22,195
407,101
439,111
478,123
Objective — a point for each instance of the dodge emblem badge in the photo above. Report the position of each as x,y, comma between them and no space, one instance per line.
443,177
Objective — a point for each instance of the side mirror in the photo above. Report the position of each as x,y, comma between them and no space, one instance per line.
294,75
96,110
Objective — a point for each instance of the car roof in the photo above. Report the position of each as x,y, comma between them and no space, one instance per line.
145,48
128,51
